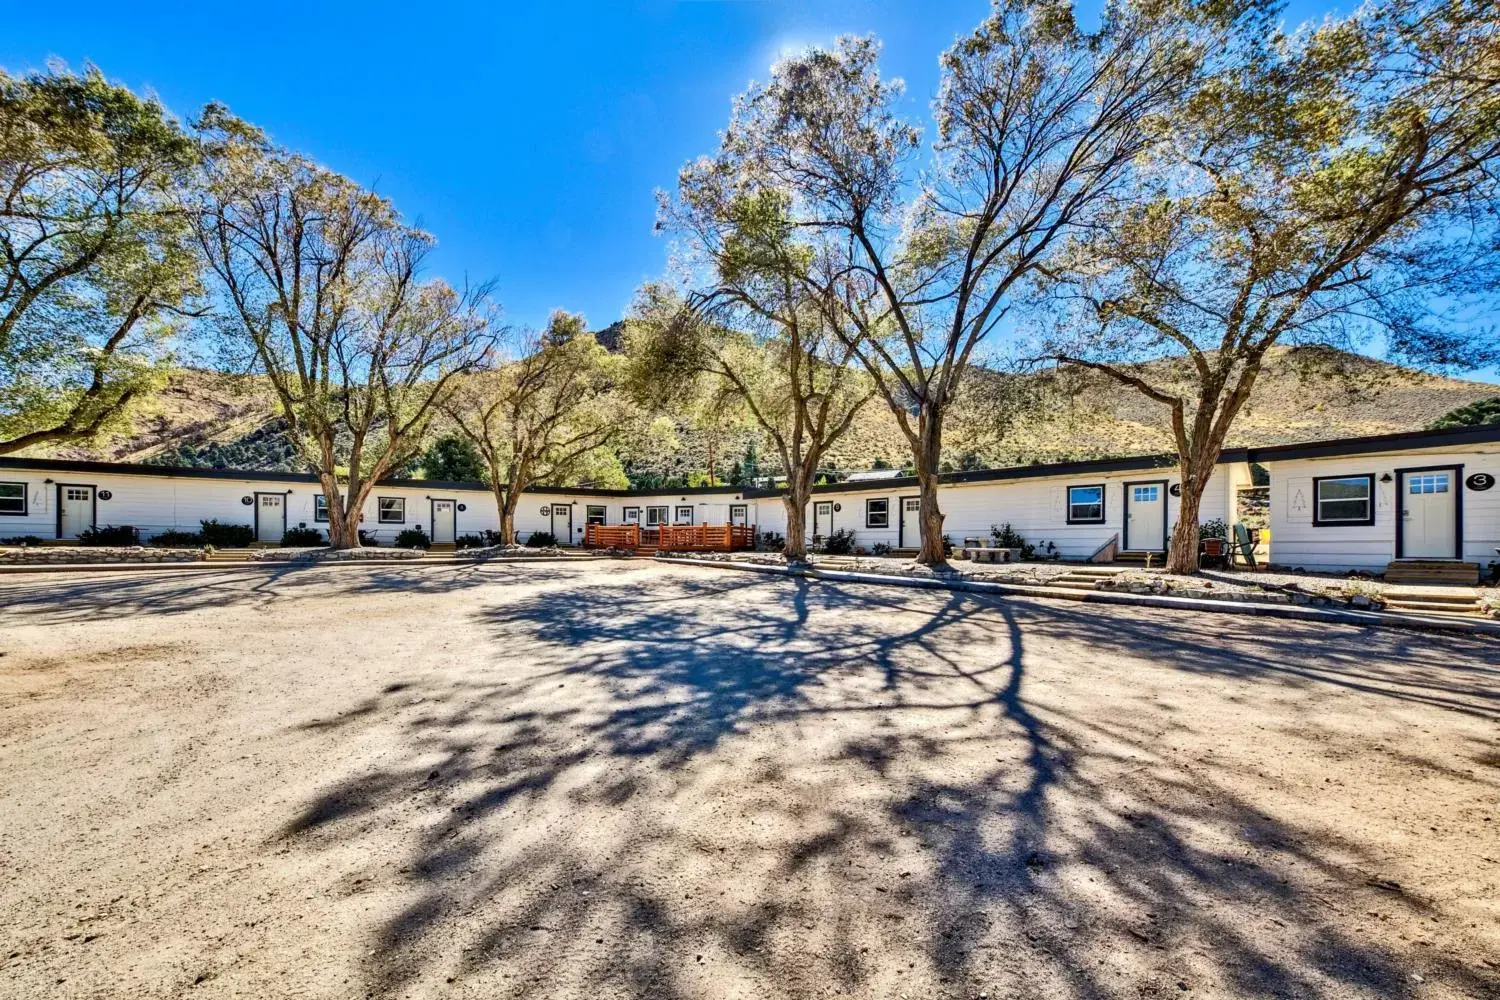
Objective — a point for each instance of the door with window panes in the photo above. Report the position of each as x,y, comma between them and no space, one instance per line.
75,510
1429,514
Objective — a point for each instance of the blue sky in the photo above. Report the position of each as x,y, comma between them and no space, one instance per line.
528,137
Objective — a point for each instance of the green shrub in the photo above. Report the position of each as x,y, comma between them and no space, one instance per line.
302,538
770,541
225,536
840,543
480,541
1006,537
21,540
882,549
1213,529
413,538
110,534
541,540
177,540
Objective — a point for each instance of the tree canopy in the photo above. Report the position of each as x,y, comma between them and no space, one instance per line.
99,269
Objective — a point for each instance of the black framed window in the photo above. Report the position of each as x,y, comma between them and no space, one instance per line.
1344,500
657,516
594,514
13,498
320,508
683,515
878,513
1086,504
392,510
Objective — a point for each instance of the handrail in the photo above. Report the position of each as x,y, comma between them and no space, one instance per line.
1110,547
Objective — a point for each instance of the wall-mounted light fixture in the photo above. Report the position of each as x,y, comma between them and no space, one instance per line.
1387,477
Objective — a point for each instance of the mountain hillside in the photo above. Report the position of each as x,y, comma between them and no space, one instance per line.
208,419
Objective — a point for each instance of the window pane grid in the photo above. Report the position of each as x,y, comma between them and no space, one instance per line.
1428,483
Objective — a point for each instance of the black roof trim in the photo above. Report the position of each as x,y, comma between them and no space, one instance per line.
683,491
1485,434
239,475
1040,471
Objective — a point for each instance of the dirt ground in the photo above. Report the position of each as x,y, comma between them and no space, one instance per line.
634,780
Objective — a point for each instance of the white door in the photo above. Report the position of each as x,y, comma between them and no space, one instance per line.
911,522
442,520
823,518
739,514
77,509
1429,514
632,515
1145,517
562,523
270,517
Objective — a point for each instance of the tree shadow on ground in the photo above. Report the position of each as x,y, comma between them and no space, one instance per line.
50,600
710,787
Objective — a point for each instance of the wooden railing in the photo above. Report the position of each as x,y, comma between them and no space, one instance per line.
612,536
705,538
670,538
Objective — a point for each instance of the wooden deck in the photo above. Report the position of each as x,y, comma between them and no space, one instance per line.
669,538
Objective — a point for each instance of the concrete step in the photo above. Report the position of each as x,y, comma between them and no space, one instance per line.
1434,607
1432,571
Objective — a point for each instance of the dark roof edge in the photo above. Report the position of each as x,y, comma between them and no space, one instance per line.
1084,467
1484,434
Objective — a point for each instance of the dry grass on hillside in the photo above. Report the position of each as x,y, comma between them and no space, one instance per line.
1303,395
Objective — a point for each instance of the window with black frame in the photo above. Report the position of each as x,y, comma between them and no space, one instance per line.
13,498
1344,500
878,513
1086,504
392,510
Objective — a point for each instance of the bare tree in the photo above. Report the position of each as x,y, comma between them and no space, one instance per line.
539,415
761,321
774,352
1037,121
324,284
1336,186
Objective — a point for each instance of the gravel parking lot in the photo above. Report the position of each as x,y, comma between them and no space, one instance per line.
628,779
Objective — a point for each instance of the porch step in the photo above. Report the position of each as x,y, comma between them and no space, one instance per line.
1434,600
442,548
1083,578
229,555
1432,571
1139,558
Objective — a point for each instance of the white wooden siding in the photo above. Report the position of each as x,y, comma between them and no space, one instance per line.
1296,542
1037,508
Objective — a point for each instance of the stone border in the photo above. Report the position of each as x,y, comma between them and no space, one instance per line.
327,555
1420,623
66,555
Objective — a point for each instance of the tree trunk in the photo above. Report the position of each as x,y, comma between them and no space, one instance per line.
933,551
797,496
343,518
507,501
1196,470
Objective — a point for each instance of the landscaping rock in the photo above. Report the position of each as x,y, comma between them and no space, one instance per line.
335,555
45,555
